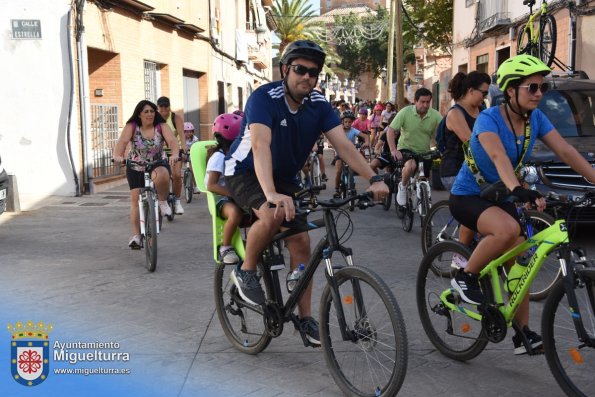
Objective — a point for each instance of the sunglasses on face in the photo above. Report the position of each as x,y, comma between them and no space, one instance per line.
484,93
302,70
533,87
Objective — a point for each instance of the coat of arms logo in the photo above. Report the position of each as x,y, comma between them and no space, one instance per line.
29,347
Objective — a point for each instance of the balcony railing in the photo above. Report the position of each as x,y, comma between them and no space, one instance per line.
493,14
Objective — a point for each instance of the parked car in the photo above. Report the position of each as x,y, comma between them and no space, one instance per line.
3,188
569,104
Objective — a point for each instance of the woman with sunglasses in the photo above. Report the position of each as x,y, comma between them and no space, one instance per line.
502,139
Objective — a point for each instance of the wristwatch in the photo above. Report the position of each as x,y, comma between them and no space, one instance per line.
376,178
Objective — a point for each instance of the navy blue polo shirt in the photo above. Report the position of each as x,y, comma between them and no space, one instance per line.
293,134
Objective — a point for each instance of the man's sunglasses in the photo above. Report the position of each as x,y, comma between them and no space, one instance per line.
302,70
532,88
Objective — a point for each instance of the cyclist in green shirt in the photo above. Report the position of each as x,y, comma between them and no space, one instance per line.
417,124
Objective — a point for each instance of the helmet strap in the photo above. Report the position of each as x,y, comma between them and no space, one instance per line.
525,116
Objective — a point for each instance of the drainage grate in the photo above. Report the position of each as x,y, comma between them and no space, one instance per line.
68,202
93,204
115,197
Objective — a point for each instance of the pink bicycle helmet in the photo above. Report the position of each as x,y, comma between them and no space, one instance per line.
378,107
188,126
227,125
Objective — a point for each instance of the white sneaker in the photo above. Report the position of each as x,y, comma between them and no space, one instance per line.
458,262
229,256
402,195
164,207
179,209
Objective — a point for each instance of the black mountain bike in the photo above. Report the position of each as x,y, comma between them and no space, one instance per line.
361,327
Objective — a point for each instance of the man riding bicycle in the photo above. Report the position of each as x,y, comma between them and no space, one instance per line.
282,122
347,118
417,125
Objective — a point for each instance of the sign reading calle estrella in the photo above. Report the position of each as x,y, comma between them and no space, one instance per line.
26,29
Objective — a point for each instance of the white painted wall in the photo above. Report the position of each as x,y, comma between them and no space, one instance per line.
35,99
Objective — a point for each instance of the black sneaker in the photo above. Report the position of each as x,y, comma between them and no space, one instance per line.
248,285
467,285
337,194
533,338
324,178
309,326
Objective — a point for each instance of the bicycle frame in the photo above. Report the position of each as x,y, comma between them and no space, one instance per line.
145,195
533,34
273,263
546,241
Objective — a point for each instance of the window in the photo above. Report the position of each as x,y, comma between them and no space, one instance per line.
240,98
482,63
152,87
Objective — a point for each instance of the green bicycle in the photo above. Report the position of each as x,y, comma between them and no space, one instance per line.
541,42
461,331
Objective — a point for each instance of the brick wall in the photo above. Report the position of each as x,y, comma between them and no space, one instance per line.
104,74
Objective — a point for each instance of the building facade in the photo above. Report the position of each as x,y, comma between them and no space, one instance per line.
88,64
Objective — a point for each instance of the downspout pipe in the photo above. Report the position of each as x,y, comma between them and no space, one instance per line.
77,189
83,74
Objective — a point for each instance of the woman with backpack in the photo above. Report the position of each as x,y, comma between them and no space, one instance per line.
468,92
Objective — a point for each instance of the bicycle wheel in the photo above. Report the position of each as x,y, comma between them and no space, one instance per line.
150,232
424,202
454,334
571,361
373,360
188,185
550,271
315,175
523,43
547,39
352,192
439,225
387,201
243,325
408,213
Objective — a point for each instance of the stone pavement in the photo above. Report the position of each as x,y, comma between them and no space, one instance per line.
68,263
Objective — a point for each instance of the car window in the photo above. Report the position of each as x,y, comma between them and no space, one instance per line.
556,106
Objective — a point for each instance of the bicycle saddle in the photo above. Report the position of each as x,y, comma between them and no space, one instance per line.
529,3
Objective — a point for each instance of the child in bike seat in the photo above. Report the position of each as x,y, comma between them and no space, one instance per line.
226,128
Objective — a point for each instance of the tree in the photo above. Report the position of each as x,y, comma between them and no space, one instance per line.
295,22
432,22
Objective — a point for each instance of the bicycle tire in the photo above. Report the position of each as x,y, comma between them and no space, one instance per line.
387,201
250,337
524,44
547,39
439,225
550,271
424,202
315,175
188,185
439,323
150,242
384,352
408,214
570,361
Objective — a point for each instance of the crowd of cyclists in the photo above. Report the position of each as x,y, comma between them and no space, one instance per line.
254,167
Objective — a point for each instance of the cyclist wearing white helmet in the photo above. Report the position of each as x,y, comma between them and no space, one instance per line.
282,121
502,138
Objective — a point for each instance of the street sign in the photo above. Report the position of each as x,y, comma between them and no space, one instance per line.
26,29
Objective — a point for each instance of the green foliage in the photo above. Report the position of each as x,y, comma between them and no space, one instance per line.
432,22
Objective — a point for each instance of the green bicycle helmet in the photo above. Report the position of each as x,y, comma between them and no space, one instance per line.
519,67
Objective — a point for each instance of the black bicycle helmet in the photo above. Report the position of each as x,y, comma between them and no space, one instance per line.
348,114
303,49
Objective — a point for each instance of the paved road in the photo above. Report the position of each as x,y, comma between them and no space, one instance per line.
68,263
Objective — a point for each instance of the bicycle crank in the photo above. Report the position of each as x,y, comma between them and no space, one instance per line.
272,320
493,323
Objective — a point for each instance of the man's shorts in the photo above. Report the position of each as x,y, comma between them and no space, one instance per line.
248,195
384,160
428,164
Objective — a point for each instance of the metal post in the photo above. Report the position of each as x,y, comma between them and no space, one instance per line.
399,57
391,47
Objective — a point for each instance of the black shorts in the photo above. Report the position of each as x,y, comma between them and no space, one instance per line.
248,195
428,164
384,160
467,209
136,179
